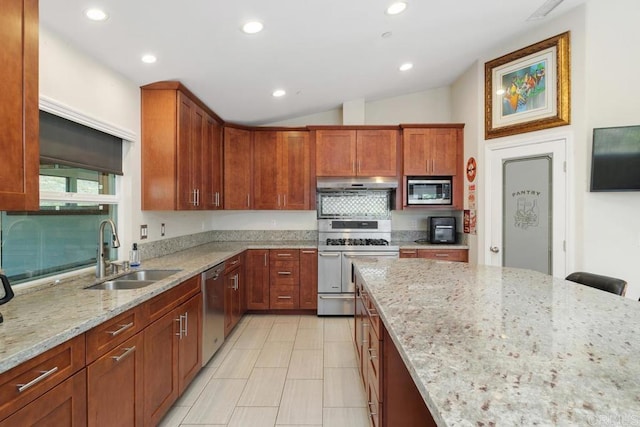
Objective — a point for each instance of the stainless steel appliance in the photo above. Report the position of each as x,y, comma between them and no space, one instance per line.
429,190
212,311
442,229
341,242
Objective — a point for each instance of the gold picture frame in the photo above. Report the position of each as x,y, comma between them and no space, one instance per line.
529,89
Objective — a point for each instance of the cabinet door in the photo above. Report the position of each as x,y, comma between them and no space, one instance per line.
190,341
408,253
160,375
237,169
430,151
293,180
19,139
257,279
266,193
309,279
377,152
460,255
212,197
114,386
336,153
232,305
186,191
64,405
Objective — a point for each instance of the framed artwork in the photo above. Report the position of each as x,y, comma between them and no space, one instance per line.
529,89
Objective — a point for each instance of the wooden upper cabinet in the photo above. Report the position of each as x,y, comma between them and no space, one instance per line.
19,132
432,151
237,168
281,170
266,194
213,197
176,151
348,152
335,153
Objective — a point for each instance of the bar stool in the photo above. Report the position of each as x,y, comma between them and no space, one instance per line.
604,283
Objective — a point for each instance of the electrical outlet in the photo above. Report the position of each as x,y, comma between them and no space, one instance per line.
162,229
144,231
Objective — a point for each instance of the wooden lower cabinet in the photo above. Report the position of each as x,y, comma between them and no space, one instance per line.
64,405
458,255
172,357
115,386
309,279
257,279
234,281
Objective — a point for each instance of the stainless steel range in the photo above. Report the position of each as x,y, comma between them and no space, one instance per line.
340,242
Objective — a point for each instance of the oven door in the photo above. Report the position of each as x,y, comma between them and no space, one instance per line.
329,272
348,272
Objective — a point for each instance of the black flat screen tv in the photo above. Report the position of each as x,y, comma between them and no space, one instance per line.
615,160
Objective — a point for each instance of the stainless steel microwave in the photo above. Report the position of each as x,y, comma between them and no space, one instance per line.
429,191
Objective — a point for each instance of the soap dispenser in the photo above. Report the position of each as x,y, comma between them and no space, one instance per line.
134,256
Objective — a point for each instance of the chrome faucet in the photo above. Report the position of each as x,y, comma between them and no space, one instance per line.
115,243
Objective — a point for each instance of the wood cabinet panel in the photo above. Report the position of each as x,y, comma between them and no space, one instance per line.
284,297
293,180
408,253
43,372
213,197
309,279
190,343
430,151
285,272
64,405
266,170
165,302
377,152
238,173
335,152
115,386
257,279
19,115
460,255
232,298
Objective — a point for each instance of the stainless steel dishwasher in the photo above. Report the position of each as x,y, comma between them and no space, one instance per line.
213,311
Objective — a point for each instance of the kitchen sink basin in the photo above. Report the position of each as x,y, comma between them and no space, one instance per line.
116,285
134,280
153,275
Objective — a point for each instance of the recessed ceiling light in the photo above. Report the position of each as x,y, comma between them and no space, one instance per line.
252,27
149,58
278,93
396,8
406,66
96,14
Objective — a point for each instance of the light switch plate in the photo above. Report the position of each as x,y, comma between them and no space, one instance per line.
144,231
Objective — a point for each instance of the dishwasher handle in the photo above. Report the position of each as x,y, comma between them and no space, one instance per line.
213,272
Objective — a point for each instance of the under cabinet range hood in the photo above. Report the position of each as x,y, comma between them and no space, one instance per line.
369,183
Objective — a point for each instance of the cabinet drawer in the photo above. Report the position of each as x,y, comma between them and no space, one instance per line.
374,407
408,253
372,356
165,302
106,336
284,273
26,382
460,255
372,317
232,263
284,297
286,254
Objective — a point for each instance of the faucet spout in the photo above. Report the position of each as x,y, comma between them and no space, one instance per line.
115,243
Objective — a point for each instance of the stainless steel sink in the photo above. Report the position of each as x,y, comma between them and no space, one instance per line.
134,280
117,284
153,275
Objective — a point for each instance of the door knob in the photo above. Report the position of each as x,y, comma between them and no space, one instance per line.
494,249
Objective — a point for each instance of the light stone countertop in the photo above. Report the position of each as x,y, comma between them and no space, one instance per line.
38,320
505,347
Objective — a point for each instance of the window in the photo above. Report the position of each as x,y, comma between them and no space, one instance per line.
74,198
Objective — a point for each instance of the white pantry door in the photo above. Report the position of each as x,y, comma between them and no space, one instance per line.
527,210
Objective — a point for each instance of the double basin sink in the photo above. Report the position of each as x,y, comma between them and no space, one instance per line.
134,280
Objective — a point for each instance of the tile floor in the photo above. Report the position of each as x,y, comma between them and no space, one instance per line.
278,370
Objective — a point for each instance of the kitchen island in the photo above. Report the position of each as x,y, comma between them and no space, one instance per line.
500,346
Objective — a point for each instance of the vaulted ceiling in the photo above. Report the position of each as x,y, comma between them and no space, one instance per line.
321,52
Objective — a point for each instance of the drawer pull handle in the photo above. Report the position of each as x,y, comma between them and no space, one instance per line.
121,330
331,254
373,414
235,261
371,313
442,255
408,252
284,273
43,375
284,254
371,355
127,351
308,252
284,297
